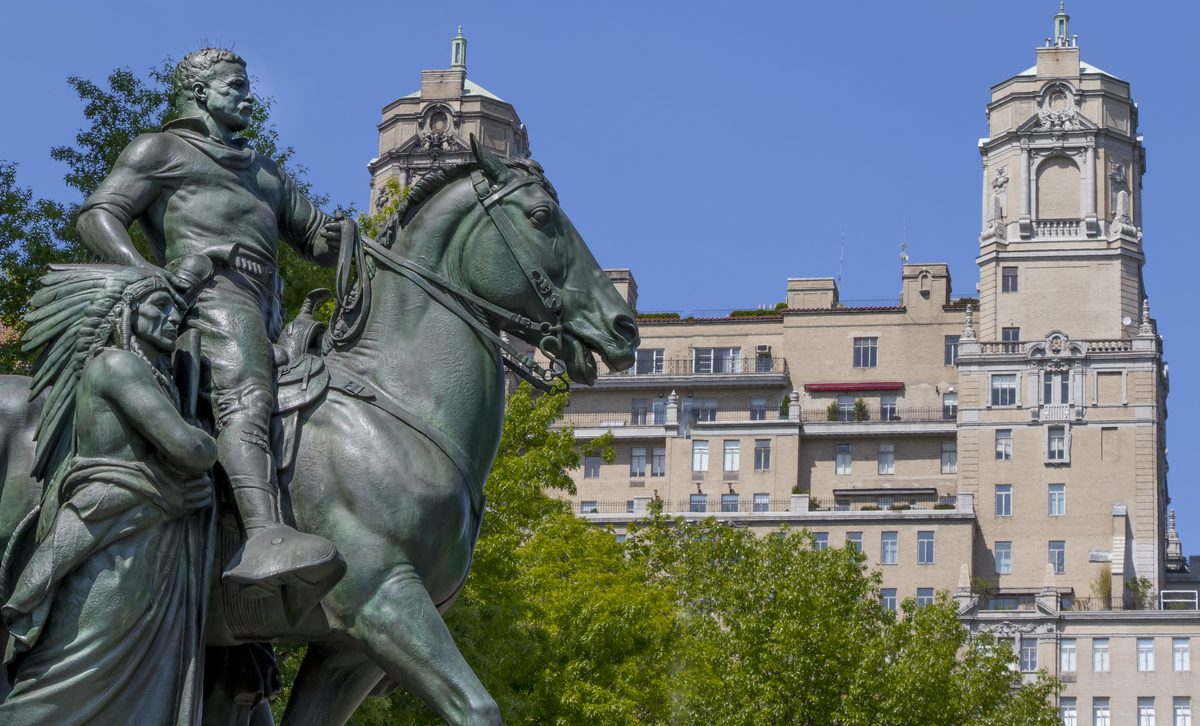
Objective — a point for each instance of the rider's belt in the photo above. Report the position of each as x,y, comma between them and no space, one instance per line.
254,266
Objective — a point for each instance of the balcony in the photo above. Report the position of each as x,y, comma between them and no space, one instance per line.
895,420
1058,228
1018,347
748,371
1057,413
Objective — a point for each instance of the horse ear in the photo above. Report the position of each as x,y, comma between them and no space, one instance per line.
493,168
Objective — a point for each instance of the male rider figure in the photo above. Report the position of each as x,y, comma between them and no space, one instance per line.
197,189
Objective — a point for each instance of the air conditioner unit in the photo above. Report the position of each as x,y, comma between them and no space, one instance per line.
763,349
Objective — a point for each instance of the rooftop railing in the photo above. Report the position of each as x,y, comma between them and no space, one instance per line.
877,415
699,367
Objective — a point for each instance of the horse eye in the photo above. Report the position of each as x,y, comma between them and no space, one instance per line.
539,216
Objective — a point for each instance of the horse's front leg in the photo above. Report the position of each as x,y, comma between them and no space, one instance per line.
400,628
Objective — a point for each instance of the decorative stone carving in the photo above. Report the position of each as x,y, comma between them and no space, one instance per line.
997,206
1057,351
1147,326
437,129
968,332
1058,108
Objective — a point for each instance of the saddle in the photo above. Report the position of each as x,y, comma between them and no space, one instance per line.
301,378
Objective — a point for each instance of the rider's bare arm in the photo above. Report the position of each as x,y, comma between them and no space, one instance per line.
310,231
127,383
124,195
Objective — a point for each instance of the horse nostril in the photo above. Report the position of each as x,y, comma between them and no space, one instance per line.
625,327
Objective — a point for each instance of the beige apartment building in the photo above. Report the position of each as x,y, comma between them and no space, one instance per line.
1007,449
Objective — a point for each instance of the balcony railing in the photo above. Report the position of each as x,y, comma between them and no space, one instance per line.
713,505
1053,228
1017,347
611,419
742,365
877,415
899,505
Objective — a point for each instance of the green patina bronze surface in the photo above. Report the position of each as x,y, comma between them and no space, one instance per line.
349,494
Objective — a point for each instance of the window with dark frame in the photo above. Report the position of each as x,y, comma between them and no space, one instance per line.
1008,279
866,352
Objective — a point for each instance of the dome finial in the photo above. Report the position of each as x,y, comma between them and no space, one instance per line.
458,51
1062,32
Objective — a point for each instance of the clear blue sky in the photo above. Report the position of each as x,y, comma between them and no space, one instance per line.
715,148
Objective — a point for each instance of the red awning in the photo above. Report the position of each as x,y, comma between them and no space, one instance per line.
860,386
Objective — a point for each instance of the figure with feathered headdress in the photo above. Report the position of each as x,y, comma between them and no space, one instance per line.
105,619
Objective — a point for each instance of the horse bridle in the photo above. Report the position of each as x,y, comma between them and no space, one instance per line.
455,298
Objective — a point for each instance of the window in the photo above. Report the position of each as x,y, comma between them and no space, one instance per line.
925,547
1146,711
1066,655
1003,444
1029,661
699,455
845,408
1100,712
842,465
1003,558
924,596
637,463
1181,654
658,461
1056,502
729,502
887,459
820,541
1056,443
591,467
638,412
1057,556
866,352
649,360
1004,389
949,457
950,354
949,406
1182,708
588,506
763,362
658,409
704,409
698,503
1068,712
1145,654
1011,338
888,596
1008,279
762,502
717,360
762,454
629,506
1004,500
1100,655
1056,388
854,539
888,548
758,409
733,455
888,410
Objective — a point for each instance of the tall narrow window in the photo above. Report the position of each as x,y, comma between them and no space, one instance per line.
733,455
639,411
1011,338
758,409
889,546
762,454
949,457
1004,500
887,459
1008,279
888,410
1101,716
924,547
1056,388
1181,654
1004,389
1145,707
637,463
949,406
1056,504
854,539
1056,443
1068,711
845,408
1029,655
1145,654
1100,655
1003,553
591,467
950,352
866,352
842,459
1066,652
888,597
1057,556
658,461
1003,444
1182,711
699,455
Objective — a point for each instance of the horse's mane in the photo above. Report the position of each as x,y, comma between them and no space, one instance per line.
434,181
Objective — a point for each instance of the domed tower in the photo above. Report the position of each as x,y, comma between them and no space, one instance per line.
1061,243
432,127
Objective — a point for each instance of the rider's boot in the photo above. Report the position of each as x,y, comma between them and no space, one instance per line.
274,554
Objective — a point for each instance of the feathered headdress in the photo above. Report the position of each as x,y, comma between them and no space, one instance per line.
79,310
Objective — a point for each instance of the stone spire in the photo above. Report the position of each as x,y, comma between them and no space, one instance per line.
1062,34
1176,562
968,332
1147,327
458,52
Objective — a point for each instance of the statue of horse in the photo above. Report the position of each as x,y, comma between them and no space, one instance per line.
391,460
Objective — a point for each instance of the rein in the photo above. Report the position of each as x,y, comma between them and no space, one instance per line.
456,299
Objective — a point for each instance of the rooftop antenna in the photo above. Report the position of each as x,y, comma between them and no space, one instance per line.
841,256
904,241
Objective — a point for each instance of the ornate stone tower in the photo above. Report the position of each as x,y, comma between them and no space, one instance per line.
432,127
1061,244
